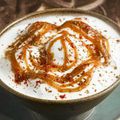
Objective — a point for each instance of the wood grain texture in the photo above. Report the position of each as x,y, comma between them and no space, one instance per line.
13,9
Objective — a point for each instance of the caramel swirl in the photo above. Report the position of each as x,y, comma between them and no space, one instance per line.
77,75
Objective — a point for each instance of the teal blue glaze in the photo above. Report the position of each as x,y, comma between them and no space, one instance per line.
109,109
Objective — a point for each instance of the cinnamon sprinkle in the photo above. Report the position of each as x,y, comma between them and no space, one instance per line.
45,63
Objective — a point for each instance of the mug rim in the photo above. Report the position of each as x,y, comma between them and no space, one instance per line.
33,99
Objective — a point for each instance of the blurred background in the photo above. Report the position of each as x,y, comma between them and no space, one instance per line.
10,10
13,9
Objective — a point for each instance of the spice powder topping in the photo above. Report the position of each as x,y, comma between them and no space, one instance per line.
43,37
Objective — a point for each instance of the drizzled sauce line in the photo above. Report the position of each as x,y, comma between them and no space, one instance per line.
75,80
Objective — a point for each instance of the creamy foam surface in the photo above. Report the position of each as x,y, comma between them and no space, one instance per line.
103,76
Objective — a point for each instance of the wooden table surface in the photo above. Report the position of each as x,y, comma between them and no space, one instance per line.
13,9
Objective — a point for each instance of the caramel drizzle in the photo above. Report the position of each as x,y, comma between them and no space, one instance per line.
97,50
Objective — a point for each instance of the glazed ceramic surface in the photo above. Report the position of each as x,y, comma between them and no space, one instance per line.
103,77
